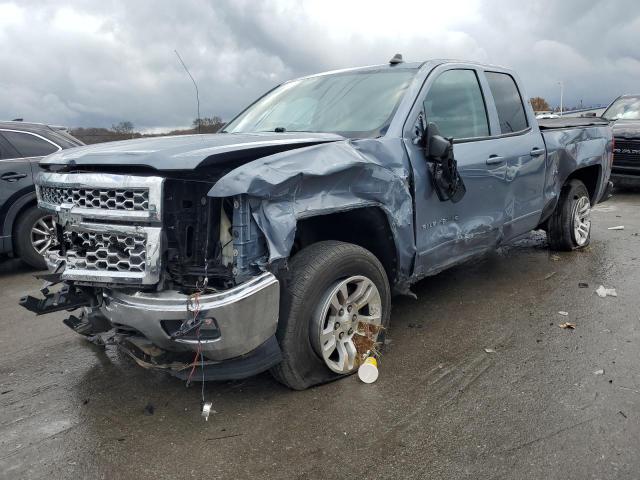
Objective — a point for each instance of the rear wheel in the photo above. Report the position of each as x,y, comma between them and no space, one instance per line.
569,227
334,309
35,234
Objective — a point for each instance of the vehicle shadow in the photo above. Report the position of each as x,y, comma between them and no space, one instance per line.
13,266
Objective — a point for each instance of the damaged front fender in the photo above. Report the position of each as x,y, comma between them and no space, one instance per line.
323,179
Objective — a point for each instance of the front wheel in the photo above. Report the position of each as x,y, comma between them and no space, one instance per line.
334,309
570,225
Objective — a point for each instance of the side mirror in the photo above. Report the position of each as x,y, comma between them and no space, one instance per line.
442,165
588,114
436,146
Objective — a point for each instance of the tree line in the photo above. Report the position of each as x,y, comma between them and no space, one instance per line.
126,130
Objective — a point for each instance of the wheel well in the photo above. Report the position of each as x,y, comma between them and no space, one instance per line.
589,176
367,227
16,219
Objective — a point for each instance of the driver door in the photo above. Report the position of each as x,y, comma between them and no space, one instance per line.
447,232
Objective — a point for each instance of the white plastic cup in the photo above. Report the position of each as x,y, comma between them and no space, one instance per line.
368,371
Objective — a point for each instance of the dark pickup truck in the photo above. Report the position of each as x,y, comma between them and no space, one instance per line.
624,112
277,243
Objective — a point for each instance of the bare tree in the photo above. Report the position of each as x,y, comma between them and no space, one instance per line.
125,127
208,124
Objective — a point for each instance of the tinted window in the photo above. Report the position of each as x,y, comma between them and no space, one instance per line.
455,104
29,145
508,102
6,150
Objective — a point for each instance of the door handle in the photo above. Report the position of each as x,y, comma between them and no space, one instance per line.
495,160
12,176
536,152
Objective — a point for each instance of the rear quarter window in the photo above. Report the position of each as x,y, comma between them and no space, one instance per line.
29,145
508,102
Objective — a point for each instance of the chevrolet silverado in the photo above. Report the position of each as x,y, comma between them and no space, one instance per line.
277,243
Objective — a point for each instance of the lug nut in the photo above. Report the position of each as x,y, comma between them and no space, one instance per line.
349,308
355,317
341,335
336,325
341,312
350,332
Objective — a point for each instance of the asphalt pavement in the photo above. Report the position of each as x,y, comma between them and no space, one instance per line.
543,402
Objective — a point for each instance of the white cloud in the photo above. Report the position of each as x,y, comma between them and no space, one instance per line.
88,63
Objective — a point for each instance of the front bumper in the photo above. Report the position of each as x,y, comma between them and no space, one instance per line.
246,316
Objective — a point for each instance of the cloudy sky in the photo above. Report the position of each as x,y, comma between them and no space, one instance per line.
95,63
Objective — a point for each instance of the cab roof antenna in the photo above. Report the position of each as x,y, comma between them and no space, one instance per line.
397,58
199,120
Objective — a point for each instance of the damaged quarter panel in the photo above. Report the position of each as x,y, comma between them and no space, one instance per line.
322,179
571,149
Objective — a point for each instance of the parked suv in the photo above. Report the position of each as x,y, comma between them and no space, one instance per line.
26,230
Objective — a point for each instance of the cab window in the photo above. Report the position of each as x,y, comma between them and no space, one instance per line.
456,105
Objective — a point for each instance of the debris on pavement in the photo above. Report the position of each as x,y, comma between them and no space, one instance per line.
599,372
564,314
149,409
602,292
555,257
367,339
567,325
583,285
368,371
619,227
206,410
547,277
490,350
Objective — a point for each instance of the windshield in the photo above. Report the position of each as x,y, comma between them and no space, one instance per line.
624,108
353,104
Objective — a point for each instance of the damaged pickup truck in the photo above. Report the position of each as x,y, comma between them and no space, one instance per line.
277,243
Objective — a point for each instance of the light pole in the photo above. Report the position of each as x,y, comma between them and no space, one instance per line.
561,95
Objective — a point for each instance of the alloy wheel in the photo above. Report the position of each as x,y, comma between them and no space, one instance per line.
347,306
582,221
43,234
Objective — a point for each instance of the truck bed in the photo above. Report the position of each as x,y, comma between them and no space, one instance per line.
570,122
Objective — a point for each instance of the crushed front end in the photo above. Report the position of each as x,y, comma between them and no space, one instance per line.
166,272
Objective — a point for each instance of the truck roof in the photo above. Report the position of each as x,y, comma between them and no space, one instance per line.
403,66
30,126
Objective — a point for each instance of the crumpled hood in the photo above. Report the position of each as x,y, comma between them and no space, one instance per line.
626,129
187,152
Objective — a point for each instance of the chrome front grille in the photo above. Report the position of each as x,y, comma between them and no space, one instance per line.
111,231
110,199
106,252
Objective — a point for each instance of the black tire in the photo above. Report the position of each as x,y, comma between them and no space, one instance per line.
560,229
312,273
22,237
